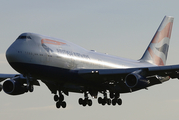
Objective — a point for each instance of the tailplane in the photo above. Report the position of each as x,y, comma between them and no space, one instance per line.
157,51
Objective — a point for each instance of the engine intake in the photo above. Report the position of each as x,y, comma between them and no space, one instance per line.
13,87
134,80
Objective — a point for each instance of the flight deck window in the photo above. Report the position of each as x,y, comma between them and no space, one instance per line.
24,37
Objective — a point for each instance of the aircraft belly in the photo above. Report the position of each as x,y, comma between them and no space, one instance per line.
44,72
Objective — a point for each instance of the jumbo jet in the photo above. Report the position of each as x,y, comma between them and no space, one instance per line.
65,67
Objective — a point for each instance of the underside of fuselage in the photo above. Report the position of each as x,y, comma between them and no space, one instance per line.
67,79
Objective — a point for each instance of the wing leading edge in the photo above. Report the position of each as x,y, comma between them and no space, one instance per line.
6,76
157,70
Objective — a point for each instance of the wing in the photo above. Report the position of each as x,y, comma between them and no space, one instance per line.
6,76
133,78
172,71
17,77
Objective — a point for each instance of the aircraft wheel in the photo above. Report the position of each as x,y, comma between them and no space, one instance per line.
103,102
100,100
119,101
90,102
58,105
84,103
61,98
64,104
109,101
56,98
80,101
114,102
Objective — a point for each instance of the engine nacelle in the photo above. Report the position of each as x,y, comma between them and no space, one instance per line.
0,87
137,81
13,87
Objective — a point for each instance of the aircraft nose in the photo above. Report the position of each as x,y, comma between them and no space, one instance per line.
11,54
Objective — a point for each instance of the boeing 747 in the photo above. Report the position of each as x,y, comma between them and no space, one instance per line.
65,67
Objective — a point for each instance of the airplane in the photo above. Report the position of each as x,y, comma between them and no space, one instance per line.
65,67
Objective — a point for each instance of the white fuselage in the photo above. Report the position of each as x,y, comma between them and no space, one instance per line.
43,50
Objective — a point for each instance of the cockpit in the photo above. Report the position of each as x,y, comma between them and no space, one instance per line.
24,37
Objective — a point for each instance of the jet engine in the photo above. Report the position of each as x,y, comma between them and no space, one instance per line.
14,87
0,87
135,80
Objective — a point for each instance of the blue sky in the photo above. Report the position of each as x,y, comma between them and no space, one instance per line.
121,28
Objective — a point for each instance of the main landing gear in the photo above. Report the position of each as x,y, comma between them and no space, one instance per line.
85,101
60,100
114,99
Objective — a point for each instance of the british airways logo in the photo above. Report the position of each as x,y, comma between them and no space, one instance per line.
52,42
44,43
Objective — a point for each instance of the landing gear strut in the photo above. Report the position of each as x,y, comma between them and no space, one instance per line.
30,86
60,100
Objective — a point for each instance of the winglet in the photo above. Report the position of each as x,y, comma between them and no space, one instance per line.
157,51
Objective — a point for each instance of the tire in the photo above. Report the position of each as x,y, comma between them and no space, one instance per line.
103,102
56,98
80,101
119,101
89,102
99,100
58,105
84,103
61,98
114,102
64,104
109,101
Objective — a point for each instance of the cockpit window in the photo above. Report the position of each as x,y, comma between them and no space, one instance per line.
24,37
